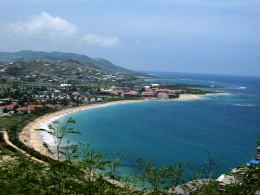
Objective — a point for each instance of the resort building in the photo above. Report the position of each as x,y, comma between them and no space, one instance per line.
162,95
148,94
161,90
130,93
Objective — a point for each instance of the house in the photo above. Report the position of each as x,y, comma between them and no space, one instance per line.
29,109
162,95
172,95
65,85
173,91
130,93
161,90
138,88
116,92
93,100
155,85
9,107
51,106
22,110
176,91
99,100
123,89
3,108
147,94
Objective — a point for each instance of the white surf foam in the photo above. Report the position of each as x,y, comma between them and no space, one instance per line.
242,88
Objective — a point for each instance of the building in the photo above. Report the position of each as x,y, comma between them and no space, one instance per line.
148,94
130,93
22,110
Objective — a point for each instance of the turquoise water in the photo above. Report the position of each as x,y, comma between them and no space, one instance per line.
179,131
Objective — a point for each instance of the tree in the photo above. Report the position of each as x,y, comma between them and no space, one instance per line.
60,169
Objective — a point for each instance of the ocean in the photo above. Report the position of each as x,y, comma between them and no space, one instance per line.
227,125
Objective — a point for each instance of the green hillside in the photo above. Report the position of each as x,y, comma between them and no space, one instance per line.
28,55
109,66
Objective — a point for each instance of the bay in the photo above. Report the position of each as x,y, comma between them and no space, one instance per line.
181,130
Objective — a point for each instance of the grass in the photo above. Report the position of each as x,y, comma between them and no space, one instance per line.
11,121
6,123
4,148
13,124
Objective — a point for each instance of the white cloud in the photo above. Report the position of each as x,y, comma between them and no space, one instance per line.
44,29
43,26
104,41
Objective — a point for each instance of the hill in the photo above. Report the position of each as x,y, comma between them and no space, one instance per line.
28,55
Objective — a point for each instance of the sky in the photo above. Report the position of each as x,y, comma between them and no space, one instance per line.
193,36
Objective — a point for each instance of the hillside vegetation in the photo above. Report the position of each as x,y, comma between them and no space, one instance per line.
27,55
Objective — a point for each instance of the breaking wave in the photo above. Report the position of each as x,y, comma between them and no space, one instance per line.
246,105
242,88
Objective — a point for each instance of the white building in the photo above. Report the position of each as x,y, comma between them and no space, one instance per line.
65,85
155,85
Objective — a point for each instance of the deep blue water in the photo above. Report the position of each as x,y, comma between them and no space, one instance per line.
179,131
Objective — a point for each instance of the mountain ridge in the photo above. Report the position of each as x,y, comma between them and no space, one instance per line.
11,57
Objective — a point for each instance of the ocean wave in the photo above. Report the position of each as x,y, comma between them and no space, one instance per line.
242,88
202,81
208,81
185,79
48,138
246,94
246,105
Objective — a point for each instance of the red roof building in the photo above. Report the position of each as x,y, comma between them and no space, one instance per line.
130,93
22,110
148,94
162,95
161,90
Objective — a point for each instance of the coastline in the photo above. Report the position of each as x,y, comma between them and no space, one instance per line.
33,139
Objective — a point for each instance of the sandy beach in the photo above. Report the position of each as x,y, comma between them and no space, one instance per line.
33,139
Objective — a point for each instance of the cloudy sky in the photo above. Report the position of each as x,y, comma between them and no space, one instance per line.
198,36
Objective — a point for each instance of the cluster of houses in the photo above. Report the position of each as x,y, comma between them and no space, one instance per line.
84,97
146,92
86,74
20,109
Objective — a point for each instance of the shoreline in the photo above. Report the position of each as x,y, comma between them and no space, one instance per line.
33,139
